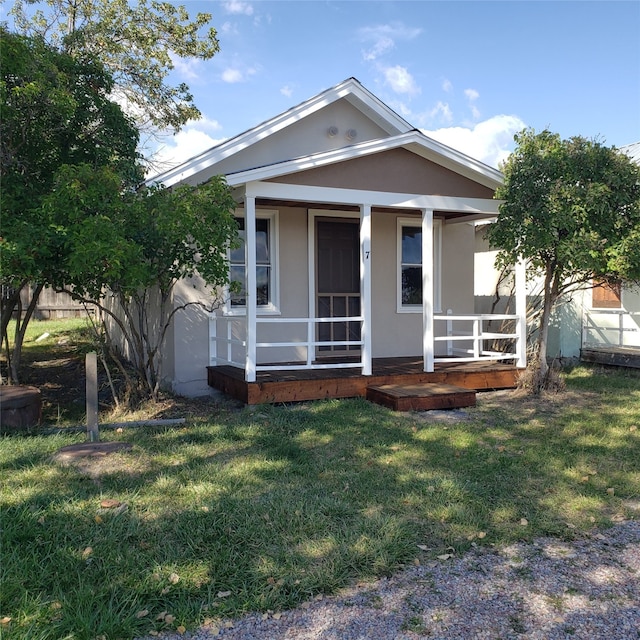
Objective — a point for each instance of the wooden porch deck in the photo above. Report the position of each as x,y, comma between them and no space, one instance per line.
612,356
317,384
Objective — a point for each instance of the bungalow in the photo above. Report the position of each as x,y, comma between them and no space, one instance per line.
359,240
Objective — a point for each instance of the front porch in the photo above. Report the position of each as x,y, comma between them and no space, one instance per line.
295,385
351,284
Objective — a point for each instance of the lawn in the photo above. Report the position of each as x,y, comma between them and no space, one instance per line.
263,508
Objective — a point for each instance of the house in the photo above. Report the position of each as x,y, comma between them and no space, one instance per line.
611,315
596,324
341,202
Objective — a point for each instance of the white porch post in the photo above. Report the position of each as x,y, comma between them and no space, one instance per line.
365,286
521,312
250,249
427,289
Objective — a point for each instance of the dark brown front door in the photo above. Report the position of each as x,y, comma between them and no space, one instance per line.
338,282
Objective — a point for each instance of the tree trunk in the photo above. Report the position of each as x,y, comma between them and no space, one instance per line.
9,306
543,334
21,329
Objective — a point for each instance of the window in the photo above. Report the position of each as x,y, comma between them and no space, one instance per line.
606,296
266,297
410,265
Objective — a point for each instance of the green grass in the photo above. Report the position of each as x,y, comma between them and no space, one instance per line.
74,331
263,508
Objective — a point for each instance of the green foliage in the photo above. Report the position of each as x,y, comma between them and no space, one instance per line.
129,241
54,110
138,42
572,210
70,214
572,205
134,246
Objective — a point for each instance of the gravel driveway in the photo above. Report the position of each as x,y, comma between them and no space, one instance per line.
546,590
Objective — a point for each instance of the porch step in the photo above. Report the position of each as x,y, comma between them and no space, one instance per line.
421,396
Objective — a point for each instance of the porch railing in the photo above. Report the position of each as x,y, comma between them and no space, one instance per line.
485,343
468,338
595,329
226,344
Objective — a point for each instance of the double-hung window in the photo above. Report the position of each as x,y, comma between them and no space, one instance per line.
409,284
266,251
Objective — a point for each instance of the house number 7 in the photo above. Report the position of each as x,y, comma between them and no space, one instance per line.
366,255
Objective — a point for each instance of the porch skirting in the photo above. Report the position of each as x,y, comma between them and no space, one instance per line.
301,385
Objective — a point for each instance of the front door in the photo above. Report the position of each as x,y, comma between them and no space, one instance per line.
338,283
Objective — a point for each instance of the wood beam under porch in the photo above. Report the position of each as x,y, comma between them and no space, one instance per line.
273,387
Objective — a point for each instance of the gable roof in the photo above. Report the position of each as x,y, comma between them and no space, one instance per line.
413,141
632,150
399,133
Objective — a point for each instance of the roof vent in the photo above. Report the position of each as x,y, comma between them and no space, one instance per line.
332,132
351,134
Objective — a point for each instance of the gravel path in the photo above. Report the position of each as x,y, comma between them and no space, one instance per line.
547,590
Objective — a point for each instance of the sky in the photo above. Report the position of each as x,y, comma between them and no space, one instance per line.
469,74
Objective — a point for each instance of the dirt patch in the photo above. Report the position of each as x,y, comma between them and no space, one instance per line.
62,381
89,450
523,402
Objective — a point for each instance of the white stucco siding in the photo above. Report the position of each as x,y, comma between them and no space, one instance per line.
188,357
294,260
293,285
394,334
458,245
303,137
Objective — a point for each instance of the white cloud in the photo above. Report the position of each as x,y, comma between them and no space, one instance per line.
233,75
238,7
228,28
400,80
489,141
447,86
402,109
383,38
286,91
442,112
205,123
189,142
187,67
471,94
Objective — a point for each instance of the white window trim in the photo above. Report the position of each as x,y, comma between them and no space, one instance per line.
437,265
273,308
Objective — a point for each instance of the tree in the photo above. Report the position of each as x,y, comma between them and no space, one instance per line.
126,251
137,42
572,210
54,111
